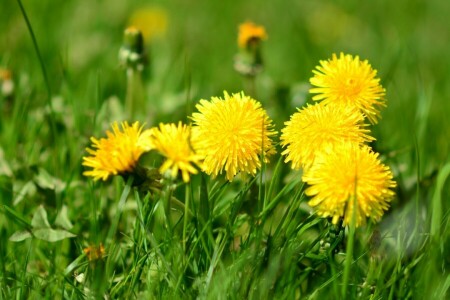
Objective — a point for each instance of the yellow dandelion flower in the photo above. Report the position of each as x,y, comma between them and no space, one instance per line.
231,134
152,22
173,142
318,128
119,152
94,252
249,31
5,74
351,173
351,82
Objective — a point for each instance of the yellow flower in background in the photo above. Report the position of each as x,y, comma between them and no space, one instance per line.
119,152
249,31
5,74
173,142
232,133
6,83
351,173
94,252
351,82
151,21
319,128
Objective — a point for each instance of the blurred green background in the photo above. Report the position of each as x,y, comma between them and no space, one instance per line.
407,41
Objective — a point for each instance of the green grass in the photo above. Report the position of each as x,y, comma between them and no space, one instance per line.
255,238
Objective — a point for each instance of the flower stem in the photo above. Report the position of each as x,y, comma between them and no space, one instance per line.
186,214
349,256
120,206
167,204
135,102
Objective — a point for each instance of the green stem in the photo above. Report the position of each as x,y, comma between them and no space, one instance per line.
349,256
38,53
416,224
120,206
94,219
251,85
186,214
135,102
43,69
167,204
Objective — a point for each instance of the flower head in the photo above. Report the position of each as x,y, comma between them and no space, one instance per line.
173,141
351,82
132,53
319,128
94,252
350,174
5,74
152,21
232,133
119,152
249,31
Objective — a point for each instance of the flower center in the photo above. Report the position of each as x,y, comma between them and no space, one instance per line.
351,87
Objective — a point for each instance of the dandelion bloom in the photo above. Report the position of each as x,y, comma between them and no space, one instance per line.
249,31
351,82
152,21
119,152
173,142
351,173
231,134
318,128
94,252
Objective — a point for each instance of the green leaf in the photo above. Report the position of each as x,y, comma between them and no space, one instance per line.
19,236
6,189
40,219
52,235
46,181
111,110
16,217
27,189
436,213
63,220
4,166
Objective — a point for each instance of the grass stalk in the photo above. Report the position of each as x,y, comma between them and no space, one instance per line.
43,68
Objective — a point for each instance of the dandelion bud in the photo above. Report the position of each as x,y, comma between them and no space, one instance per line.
249,61
132,53
94,252
6,83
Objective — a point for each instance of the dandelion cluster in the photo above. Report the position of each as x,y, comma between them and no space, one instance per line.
233,134
328,140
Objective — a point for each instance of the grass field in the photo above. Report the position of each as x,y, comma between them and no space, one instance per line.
64,235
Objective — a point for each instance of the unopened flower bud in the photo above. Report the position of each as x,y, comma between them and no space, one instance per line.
6,83
132,53
248,61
